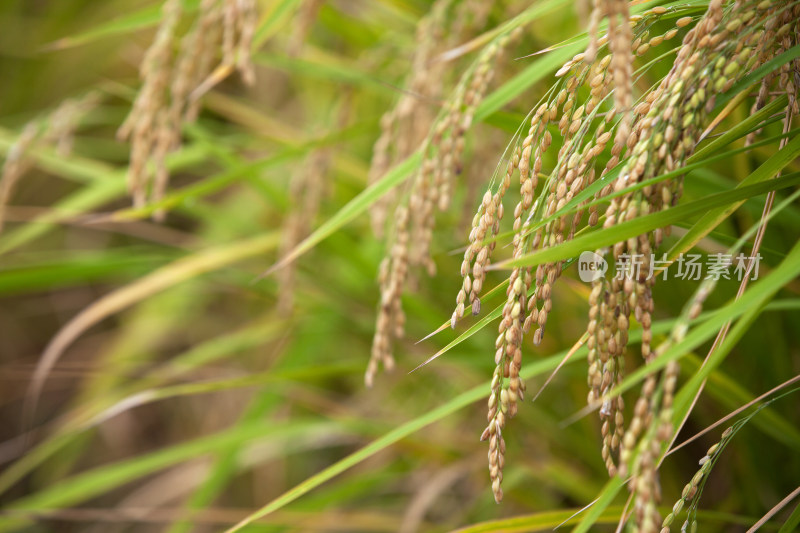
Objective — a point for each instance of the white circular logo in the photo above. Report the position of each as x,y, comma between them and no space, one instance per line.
591,266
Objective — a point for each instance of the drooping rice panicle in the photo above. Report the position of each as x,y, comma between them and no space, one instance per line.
172,72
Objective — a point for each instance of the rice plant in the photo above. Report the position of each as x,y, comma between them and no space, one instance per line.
257,272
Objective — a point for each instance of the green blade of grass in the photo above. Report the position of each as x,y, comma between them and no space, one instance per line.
451,406
551,520
273,20
101,479
529,371
352,209
87,198
79,269
601,503
146,17
179,271
72,167
544,521
213,350
608,236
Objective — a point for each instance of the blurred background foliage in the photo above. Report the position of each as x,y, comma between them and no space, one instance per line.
198,399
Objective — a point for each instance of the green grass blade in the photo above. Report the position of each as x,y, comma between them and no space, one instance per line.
85,199
273,20
544,521
597,508
453,405
608,236
99,480
208,260
146,17
352,209
716,215
793,522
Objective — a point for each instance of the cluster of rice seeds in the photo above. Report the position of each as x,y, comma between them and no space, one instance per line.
602,82
608,335
527,159
691,489
422,204
707,64
449,133
507,387
476,257
668,124
646,487
644,410
612,302
652,411
780,34
520,312
392,278
57,129
576,170
407,125
664,133
444,156
620,41
195,61
573,173
166,100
